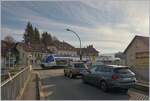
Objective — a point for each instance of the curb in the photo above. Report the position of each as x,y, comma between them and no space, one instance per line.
37,87
40,95
137,95
142,87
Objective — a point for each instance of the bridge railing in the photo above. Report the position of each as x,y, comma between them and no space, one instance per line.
11,88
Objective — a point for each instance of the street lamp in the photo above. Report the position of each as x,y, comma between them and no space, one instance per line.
79,41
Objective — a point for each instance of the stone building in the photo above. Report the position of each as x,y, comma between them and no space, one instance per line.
89,52
33,52
63,49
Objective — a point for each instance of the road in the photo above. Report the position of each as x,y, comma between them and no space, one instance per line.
58,87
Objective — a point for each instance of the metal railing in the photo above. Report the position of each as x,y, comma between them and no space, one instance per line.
11,88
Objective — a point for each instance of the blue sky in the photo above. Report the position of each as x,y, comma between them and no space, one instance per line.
109,25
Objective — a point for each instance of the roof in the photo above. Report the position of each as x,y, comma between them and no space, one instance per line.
33,47
142,38
88,49
117,66
112,66
64,46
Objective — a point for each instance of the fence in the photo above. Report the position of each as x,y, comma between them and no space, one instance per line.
11,88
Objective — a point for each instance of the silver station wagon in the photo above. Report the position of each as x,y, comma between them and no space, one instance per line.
110,76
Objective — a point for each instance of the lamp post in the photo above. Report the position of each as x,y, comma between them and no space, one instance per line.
79,41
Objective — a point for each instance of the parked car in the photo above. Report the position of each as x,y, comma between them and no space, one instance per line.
110,76
75,69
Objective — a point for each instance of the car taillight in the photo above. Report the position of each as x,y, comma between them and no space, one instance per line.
115,77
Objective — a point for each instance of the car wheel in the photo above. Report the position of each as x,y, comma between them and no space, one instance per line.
104,86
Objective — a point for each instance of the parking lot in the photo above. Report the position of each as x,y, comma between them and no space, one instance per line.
58,87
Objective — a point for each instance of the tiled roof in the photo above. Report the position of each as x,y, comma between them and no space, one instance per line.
33,47
64,46
88,50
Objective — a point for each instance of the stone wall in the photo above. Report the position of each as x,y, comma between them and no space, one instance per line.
142,73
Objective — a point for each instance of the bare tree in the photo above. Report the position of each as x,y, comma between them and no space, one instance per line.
9,39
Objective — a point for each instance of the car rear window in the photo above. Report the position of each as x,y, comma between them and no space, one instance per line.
79,65
123,70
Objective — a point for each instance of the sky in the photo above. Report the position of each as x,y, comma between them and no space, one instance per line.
109,25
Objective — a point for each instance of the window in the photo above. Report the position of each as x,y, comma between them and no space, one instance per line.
103,68
79,65
106,69
98,69
122,70
93,69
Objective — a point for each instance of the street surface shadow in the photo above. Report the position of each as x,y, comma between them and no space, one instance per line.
62,88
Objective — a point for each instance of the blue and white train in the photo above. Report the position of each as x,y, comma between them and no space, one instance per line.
52,60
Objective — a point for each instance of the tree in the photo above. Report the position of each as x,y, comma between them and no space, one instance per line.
46,38
29,33
119,55
36,36
9,39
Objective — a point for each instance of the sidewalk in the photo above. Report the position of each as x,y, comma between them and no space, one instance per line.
137,95
140,91
30,90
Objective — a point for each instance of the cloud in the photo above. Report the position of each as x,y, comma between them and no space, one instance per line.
108,25
15,33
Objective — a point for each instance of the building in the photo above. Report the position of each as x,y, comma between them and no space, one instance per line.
63,49
35,53
9,54
137,57
137,52
108,59
89,52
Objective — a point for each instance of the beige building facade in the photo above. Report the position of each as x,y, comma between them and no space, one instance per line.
137,52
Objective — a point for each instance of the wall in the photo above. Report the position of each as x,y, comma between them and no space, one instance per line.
136,46
142,74
141,71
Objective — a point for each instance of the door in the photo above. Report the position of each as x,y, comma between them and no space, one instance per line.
92,75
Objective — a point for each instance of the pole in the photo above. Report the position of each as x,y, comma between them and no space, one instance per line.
79,41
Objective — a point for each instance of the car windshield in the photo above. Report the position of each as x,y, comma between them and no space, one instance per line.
123,70
79,65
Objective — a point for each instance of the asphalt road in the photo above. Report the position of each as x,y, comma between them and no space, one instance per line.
58,87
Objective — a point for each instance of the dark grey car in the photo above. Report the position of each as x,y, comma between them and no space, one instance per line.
110,76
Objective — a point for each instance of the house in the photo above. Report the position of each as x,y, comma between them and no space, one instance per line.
137,52
89,52
63,49
137,57
34,53
108,59
9,54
